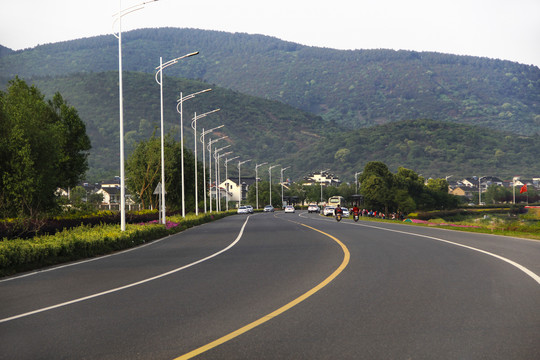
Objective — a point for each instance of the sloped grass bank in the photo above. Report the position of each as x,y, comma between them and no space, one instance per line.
18,255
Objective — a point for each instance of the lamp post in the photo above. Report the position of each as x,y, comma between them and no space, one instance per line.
194,127
240,180
216,158
282,170
356,180
479,189
159,71
118,19
257,182
270,174
179,109
322,172
209,148
226,177
204,157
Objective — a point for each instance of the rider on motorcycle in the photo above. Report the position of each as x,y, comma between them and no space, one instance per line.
338,210
355,210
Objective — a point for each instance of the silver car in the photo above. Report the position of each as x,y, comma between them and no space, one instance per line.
242,210
328,211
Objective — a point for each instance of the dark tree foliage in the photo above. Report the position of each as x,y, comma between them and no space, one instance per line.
43,146
404,191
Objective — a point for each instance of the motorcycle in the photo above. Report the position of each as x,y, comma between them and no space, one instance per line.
356,216
338,216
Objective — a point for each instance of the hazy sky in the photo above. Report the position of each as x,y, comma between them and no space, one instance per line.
501,29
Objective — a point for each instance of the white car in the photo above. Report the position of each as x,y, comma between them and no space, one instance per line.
243,210
250,209
268,208
345,212
313,208
289,209
328,211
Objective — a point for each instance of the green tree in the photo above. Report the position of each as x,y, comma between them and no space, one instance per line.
143,172
376,185
43,146
264,194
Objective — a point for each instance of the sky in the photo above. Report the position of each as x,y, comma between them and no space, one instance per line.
497,29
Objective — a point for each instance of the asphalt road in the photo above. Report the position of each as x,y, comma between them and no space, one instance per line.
285,286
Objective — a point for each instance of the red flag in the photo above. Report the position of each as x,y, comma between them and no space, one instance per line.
523,189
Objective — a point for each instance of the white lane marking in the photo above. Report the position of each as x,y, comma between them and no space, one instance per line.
513,263
132,284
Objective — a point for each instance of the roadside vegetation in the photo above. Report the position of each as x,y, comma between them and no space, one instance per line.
517,221
87,241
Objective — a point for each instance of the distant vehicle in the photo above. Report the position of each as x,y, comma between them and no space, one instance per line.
243,210
268,208
250,209
328,211
313,208
346,212
289,209
336,200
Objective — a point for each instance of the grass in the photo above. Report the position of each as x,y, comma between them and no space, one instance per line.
523,226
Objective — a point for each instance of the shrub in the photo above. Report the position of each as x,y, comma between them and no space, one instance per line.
89,240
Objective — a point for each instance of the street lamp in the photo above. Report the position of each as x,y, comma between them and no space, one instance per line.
240,180
217,156
270,174
159,71
179,109
204,157
356,179
118,18
209,148
194,127
257,182
282,170
479,189
322,172
226,177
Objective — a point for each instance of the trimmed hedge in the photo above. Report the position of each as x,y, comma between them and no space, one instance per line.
87,241
28,228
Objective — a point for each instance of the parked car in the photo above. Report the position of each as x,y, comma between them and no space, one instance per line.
268,208
289,209
328,211
243,210
313,208
250,209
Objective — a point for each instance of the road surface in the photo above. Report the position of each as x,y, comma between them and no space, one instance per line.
285,286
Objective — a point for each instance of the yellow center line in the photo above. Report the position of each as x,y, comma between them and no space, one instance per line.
279,311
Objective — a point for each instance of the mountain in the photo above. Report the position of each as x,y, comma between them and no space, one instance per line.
431,148
259,129
5,51
270,131
355,89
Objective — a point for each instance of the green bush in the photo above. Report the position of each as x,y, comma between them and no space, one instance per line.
18,255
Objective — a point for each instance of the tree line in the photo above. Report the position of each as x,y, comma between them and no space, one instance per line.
43,146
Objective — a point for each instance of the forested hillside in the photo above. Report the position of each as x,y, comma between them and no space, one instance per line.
430,148
356,89
262,130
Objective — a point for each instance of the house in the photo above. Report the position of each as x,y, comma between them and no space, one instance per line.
111,195
232,187
465,191
321,178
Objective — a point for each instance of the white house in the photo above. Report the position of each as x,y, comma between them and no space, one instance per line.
233,188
